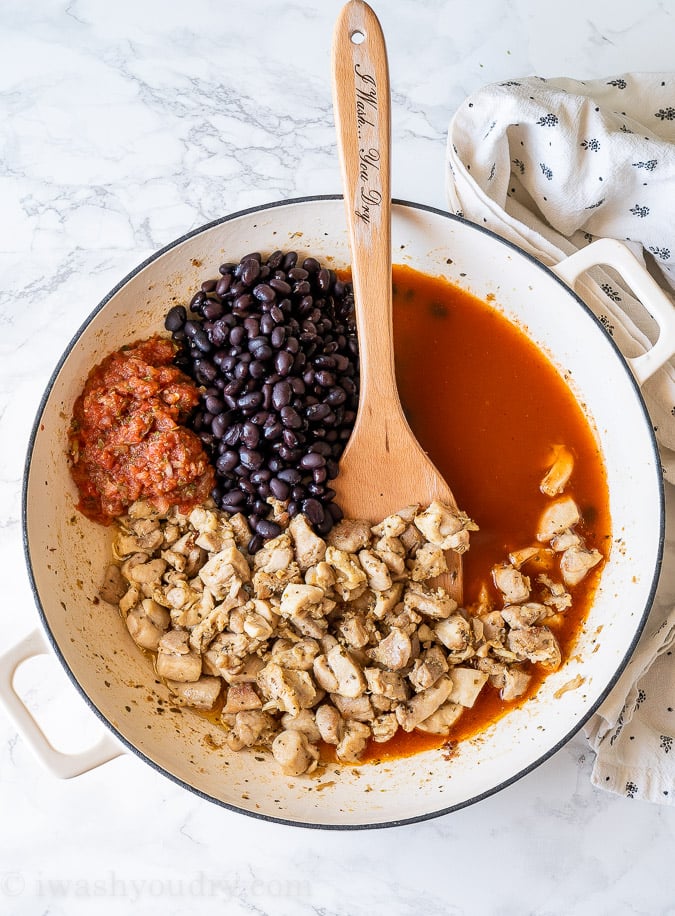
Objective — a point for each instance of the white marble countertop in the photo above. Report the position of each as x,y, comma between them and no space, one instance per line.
125,125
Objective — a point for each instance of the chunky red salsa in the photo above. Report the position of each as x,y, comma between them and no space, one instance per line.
127,441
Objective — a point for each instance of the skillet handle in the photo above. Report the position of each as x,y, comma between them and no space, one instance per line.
59,764
615,254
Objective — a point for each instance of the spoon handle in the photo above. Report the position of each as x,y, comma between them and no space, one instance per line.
363,124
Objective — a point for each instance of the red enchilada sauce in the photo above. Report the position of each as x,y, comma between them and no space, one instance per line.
488,407
126,437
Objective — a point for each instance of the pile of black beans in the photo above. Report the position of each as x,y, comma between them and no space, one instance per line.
273,344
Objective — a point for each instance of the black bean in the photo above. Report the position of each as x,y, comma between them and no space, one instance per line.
220,423
250,434
227,462
290,475
324,527
261,476
250,401
279,488
336,396
255,542
314,511
282,394
277,336
323,279
335,512
257,370
264,292
280,286
268,529
273,432
250,458
283,362
290,418
252,326
175,318
250,270
213,309
312,460
242,303
317,412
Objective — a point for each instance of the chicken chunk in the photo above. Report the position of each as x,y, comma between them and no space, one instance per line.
537,644
175,660
376,570
349,676
329,723
217,572
394,650
441,721
114,586
251,728
301,599
559,473
359,708
428,563
304,722
384,727
557,517
428,668
467,683
445,527
147,623
200,694
287,689
454,633
388,684
350,535
423,704
514,586
524,615
299,655
349,576
241,697
434,603
576,563
353,742
309,548
276,556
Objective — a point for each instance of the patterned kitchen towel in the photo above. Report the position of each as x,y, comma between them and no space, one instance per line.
551,165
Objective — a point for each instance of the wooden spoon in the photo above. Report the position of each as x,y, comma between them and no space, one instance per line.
383,467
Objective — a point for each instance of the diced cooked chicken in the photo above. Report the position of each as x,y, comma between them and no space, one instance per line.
304,722
441,721
294,753
355,631
251,728
392,553
175,660
384,727
523,555
359,708
394,650
387,600
353,742
217,572
434,603
147,623
287,689
423,704
113,587
556,596
276,556
301,599
558,475
564,540
514,586
394,525
557,517
537,644
299,655
445,527
428,563
350,535
349,676
329,723
576,563
200,694
147,573
322,576
309,548
467,683
241,697
376,570
349,576
516,682
524,615
240,530
454,633
385,683
492,625
324,674
428,668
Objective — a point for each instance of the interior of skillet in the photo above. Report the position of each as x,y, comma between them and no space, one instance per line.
68,553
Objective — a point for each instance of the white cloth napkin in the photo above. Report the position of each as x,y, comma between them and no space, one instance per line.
551,165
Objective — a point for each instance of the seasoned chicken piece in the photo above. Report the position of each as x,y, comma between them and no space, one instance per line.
392,553
557,597
393,525
441,721
454,633
276,556
229,651
389,684
493,625
434,603
251,728
175,660
298,655
329,723
114,587
349,577
351,682
309,548
557,517
130,599
445,527
324,674
467,683
429,562
201,694
286,688
564,540
294,753
516,682
141,509
240,530
524,615
514,586
217,572
387,600
376,571
423,704
384,727
213,623
147,623
559,473
350,535
147,573
576,563
241,697
268,585
394,650
537,644
304,722
428,668
301,599
322,576
355,631
359,708
243,672
521,556
353,742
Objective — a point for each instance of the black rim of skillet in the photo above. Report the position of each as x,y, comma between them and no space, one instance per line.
287,821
